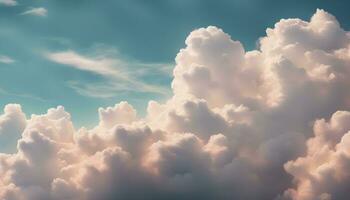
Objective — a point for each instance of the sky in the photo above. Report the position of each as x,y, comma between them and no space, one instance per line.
243,100
136,38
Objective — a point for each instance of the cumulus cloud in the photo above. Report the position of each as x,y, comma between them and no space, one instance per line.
39,11
238,126
122,113
324,172
12,124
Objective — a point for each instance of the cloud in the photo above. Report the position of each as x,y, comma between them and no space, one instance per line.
39,11
237,120
121,113
324,172
21,95
12,124
102,66
6,60
120,75
8,2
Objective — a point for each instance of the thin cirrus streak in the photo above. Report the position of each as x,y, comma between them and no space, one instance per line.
112,69
236,127
38,11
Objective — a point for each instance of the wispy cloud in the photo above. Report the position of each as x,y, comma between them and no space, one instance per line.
6,60
120,75
8,2
22,95
39,11
96,90
102,66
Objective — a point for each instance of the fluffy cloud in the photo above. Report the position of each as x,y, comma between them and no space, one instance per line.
122,113
324,172
12,124
238,126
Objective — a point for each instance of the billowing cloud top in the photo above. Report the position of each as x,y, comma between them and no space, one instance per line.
238,126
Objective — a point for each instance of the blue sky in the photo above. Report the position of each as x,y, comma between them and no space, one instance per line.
127,47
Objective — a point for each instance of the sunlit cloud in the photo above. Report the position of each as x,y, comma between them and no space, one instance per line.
271,123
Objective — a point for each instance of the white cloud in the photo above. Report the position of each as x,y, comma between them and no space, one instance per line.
121,113
324,172
6,60
39,11
103,66
12,124
236,121
8,2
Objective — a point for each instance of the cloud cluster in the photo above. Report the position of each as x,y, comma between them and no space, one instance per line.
324,172
238,126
